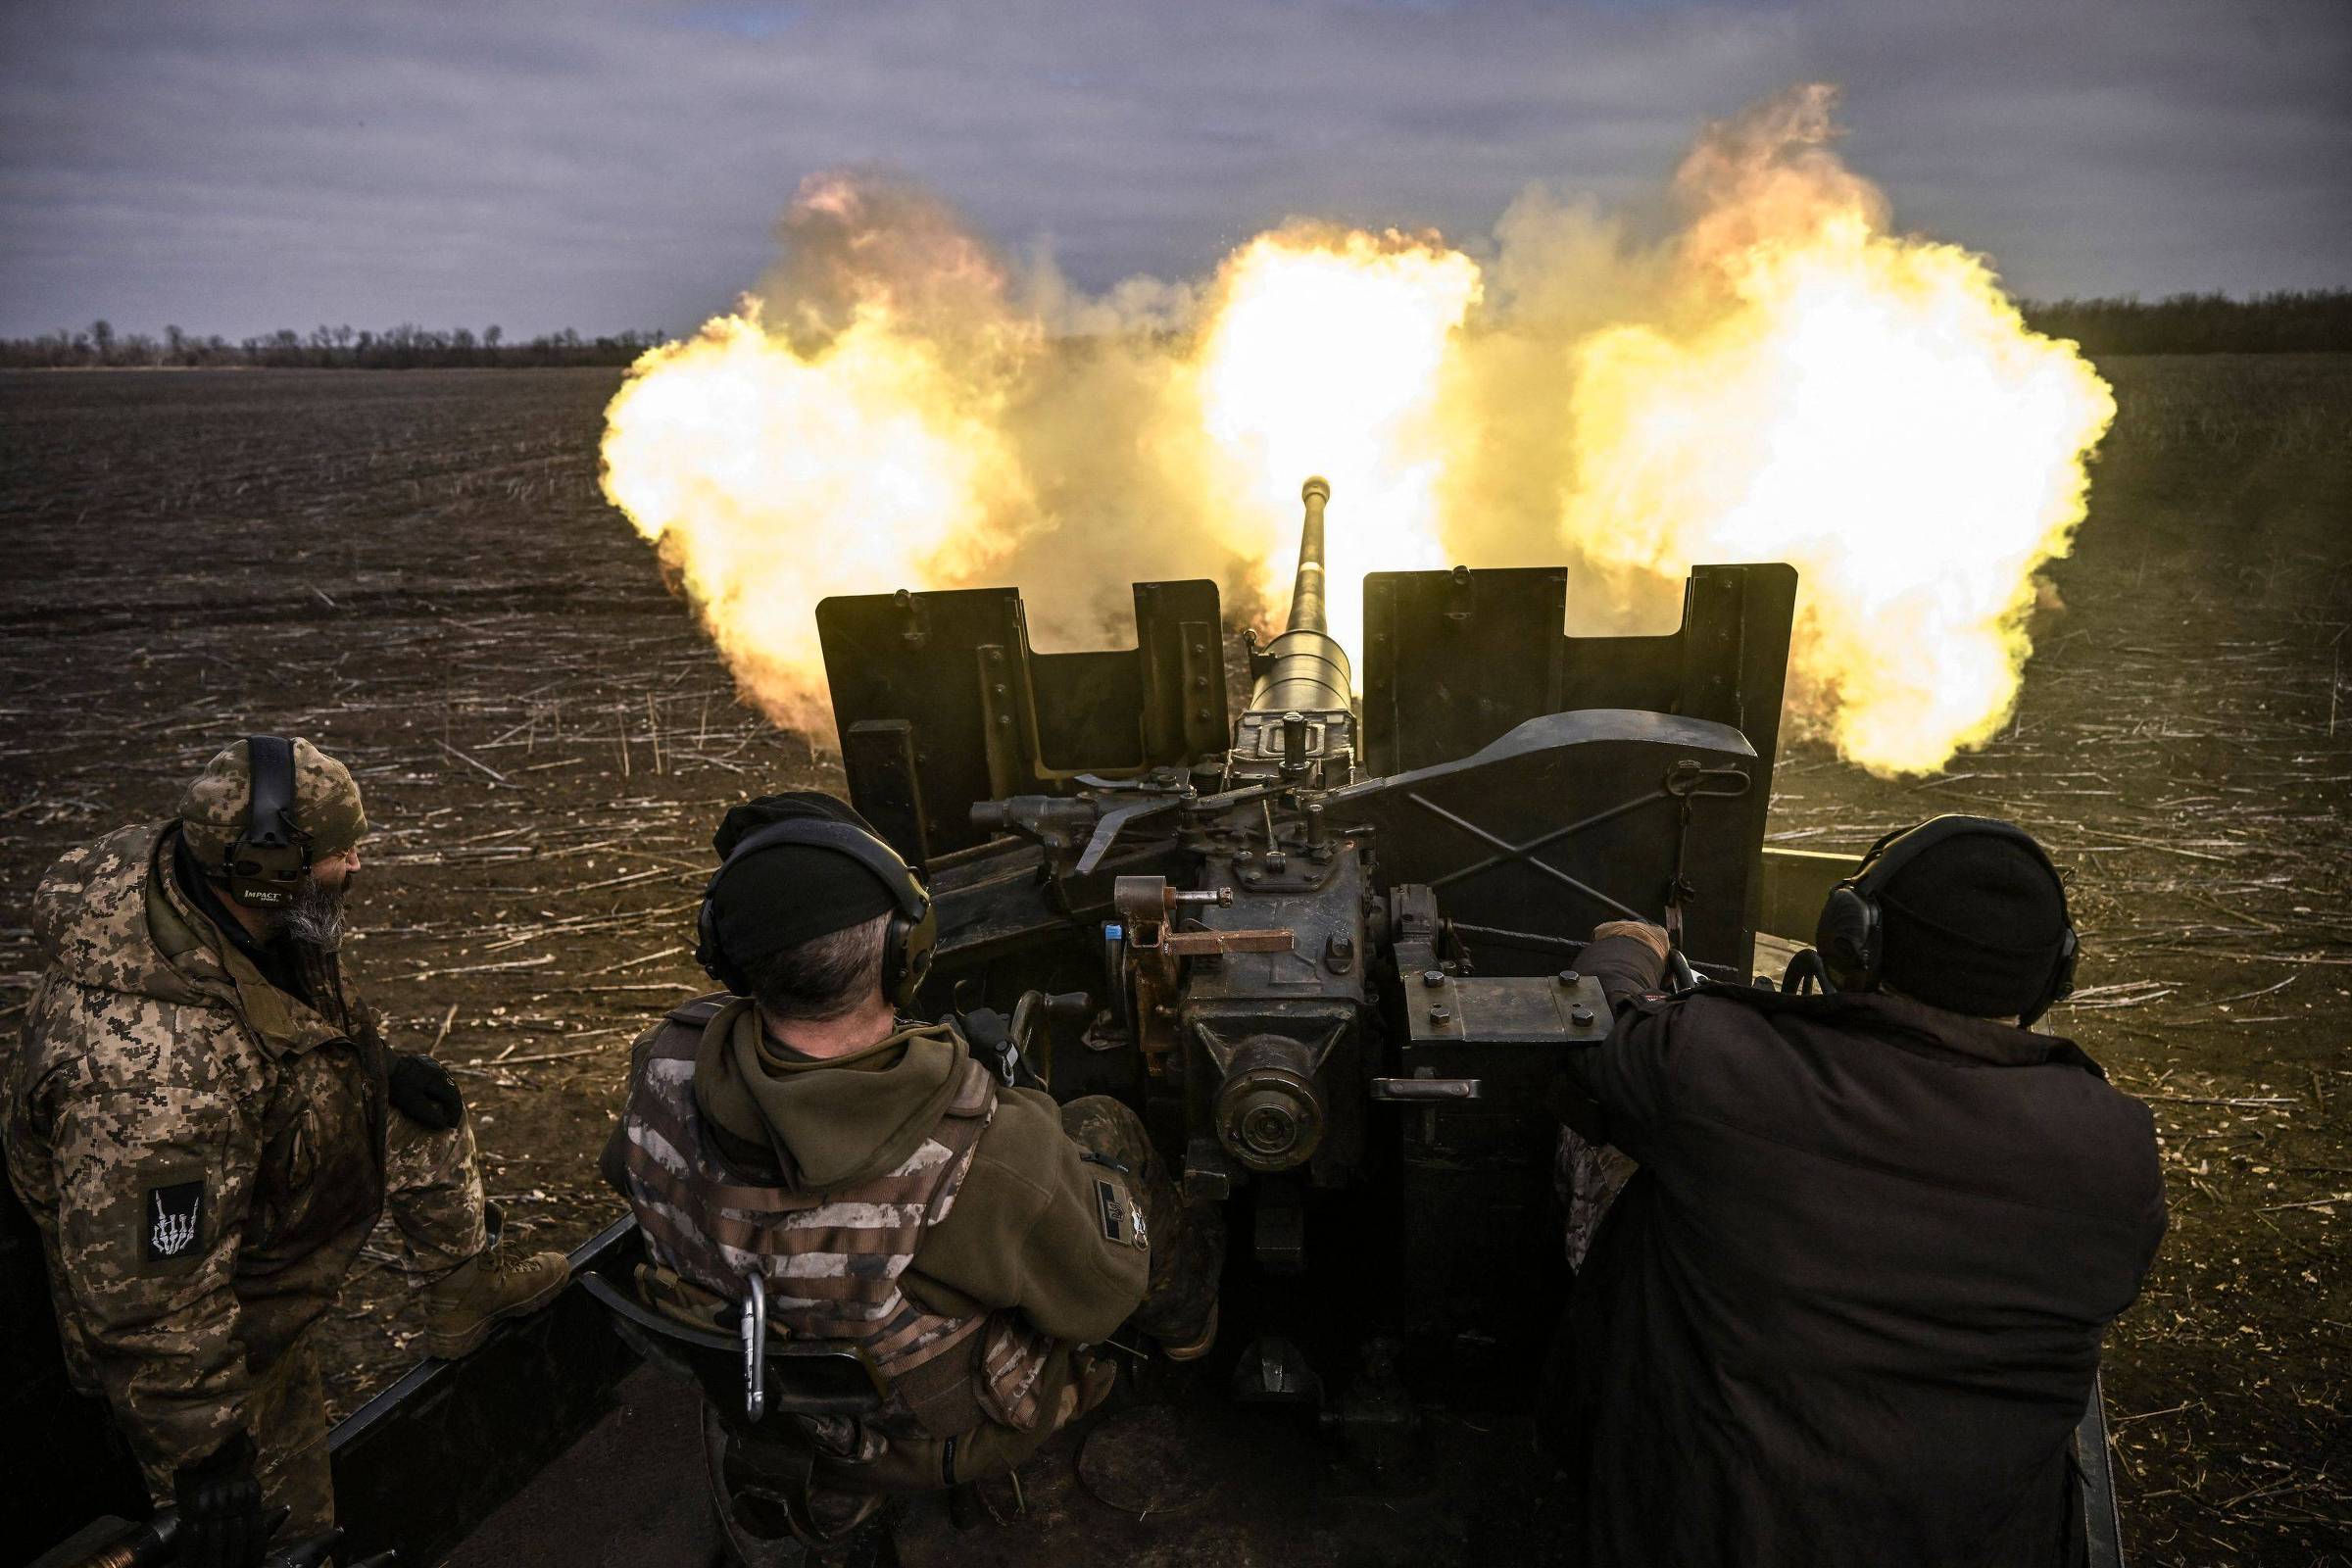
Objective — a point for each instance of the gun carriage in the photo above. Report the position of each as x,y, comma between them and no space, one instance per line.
1332,946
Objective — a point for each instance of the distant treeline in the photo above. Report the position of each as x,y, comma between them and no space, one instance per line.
2202,323
2183,323
405,347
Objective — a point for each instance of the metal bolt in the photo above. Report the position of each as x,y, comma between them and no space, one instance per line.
1568,977
1432,978
1580,1016
1277,861
1441,1014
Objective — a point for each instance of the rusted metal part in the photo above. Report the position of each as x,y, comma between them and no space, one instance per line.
1198,943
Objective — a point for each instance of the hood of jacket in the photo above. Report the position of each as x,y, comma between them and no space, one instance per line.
110,916
90,915
833,1123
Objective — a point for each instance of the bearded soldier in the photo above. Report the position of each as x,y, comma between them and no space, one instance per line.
884,1189
205,1122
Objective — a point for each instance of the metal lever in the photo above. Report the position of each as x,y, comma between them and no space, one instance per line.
1425,1088
754,1329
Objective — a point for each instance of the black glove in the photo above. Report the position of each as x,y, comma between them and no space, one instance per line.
219,1501
989,1034
423,1092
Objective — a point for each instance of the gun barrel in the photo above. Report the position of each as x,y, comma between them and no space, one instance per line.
1306,670
1307,590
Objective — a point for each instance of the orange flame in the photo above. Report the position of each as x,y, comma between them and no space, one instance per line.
1787,379
1868,408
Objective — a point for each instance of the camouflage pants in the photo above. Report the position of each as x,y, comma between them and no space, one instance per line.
288,1418
1187,1240
1589,1176
433,1192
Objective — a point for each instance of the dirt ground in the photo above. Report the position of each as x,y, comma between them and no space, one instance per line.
416,570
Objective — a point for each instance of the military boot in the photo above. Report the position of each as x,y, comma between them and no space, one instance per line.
462,1306
1198,1345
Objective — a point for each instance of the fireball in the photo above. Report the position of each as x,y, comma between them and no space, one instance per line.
770,478
1328,352
1868,408
1786,379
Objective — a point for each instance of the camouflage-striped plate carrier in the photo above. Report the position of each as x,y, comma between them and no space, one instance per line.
831,1261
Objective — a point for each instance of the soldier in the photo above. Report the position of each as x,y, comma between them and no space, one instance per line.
205,1122
1848,1309
886,1188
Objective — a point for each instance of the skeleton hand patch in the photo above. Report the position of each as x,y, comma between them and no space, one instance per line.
175,1220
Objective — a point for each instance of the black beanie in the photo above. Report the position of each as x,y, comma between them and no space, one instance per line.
1975,925
788,894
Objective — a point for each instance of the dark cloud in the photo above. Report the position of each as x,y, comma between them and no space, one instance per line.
236,168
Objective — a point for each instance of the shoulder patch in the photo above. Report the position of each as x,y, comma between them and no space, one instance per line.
1111,1211
175,1220
1121,1217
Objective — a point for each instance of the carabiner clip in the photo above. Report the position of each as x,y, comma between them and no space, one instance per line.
754,1329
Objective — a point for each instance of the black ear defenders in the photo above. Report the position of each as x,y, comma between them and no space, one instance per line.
1851,935
266,866
914,927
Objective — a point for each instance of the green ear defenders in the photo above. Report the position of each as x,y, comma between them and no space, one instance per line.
265,867
914,927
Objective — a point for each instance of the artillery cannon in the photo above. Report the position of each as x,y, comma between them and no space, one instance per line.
1334,947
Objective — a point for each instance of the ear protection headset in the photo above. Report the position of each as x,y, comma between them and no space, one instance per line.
1853,934
266,866
914,927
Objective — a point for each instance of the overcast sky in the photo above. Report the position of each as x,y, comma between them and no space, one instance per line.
234,168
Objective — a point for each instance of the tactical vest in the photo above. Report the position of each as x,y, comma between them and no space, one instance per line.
832,1261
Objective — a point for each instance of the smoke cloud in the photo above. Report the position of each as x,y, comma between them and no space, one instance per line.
1781,376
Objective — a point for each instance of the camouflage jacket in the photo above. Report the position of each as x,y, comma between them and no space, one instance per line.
202,1153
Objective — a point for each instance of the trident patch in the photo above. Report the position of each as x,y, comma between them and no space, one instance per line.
175,1220
1121,1219
1110,1211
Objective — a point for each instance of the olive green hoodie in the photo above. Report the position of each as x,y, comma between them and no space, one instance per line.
1024,1230
830,1122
